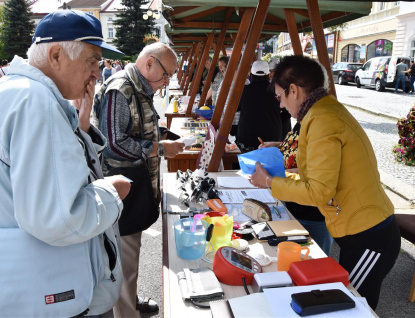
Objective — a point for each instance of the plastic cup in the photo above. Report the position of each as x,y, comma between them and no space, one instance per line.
289,252
190,238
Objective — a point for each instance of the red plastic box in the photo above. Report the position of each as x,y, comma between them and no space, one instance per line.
318,271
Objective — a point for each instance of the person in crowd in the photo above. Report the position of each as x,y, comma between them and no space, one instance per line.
118,66
205,73
401,69
116,104
222,65
411,72
338,174
4,68
107,71
309,216
51,180
259,111
285,115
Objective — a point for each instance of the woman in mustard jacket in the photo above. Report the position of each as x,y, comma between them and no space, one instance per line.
338,174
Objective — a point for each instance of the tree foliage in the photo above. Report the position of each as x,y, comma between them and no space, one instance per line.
17,28
131,28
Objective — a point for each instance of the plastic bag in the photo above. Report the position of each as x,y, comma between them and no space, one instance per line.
271,159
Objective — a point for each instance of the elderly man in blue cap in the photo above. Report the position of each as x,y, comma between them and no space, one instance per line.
58,217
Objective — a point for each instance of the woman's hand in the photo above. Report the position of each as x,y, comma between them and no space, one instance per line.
260,177
84,105
270,144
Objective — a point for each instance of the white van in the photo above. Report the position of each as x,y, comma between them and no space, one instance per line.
380,72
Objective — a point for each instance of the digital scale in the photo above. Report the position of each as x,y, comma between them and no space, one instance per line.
231,265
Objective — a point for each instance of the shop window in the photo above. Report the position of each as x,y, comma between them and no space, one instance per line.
382,6
412,50
379,48
351,53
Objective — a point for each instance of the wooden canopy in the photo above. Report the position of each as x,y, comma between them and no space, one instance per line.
196,26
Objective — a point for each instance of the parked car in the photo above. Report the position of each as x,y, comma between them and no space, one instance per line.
380,72
344,72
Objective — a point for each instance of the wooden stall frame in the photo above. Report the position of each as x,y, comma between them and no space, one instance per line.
184,57
183,81
236,91
293,31
197,68
195,56
233,62
215,57
198,76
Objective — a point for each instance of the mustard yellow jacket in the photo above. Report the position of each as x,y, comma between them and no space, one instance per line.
338,171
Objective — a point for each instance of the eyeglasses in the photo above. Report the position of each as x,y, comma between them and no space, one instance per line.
166,75
278,96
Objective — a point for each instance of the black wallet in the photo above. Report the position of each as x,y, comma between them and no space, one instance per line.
320,301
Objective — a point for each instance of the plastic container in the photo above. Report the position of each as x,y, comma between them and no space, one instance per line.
190,238
318,271
205,113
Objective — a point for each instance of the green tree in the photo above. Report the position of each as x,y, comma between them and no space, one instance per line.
131,28
17,28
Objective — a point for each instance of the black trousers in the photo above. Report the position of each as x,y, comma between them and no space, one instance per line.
368,257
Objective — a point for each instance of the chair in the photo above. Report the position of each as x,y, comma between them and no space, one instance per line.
406,224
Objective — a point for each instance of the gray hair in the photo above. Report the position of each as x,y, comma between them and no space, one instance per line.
38,53
158,49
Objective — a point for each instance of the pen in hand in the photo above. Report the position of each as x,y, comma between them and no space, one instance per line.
276,211
260,140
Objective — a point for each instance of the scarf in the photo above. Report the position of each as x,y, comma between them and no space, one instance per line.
311,99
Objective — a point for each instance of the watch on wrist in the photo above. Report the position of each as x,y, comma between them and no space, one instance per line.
160,150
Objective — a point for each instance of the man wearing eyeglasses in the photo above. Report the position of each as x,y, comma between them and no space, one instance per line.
126,116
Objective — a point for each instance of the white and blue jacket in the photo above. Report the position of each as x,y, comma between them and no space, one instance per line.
46,187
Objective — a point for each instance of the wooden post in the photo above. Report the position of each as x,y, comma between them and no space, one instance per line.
186,86
224,50
215,57
233,62
197,67
236,91
293,30
184,57
317,25
183,81
198,76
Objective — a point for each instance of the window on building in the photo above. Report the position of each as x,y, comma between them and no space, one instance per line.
110,19
412,50
382,6
110,32
351,53
396,3
379,48
91,12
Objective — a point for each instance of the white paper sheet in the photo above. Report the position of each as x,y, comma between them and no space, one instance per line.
235,210
238,196
279,300
254,305
234,182
187,140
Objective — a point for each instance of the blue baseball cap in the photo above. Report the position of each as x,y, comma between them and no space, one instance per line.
73,25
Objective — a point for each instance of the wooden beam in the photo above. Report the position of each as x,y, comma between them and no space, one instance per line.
198,77
292,29
224,50
209,25
197,67
320,40
203,14
215,57
325,18
179,75
183,80
180,10
233,63
177,39
190,67
239,83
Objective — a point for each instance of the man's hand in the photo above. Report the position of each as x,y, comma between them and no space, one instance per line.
84,105
172,148
120,184
270,144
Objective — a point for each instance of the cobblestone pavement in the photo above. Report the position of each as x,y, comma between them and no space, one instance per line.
384,103
366,105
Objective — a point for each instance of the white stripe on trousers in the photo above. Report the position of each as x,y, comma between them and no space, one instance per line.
366,268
